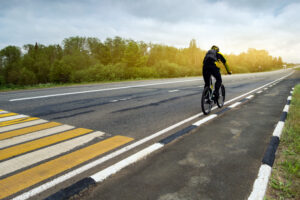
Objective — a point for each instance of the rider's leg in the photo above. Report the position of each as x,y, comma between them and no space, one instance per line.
206,75
216,73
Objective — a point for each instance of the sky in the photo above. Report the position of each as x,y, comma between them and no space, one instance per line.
233,25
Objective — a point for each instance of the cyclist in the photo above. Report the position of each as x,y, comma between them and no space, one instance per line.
210,68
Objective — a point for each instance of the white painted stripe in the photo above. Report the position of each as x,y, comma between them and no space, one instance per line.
278,130
3,112
113,101
259,92
21,125
286,108
34,135
120,151
250,97
227,102
206,119
101,90
261,183
12,117
71,174
289,98
265,88
173,91
234,105
100,176
12,165
292,92
125,99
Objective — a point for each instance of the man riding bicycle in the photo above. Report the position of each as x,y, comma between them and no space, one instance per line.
210,68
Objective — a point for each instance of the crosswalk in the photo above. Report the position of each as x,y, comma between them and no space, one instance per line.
33,150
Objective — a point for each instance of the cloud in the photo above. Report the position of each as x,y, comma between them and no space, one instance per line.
234,25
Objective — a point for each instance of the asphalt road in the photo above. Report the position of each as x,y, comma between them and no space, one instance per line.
133,111
139,109
219,160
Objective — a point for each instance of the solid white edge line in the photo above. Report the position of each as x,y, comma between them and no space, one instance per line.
12,117
234,105
101,90
73,173
102,175
206,119
261,183
227,102
289,98
278,130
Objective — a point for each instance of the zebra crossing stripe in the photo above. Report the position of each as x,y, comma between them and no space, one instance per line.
23,131
7,115
24,122
34,135
51,168
12,118
12,165
43,142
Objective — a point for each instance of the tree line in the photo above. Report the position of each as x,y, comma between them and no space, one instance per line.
88,59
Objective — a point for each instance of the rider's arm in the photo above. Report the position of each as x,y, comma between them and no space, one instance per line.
223,60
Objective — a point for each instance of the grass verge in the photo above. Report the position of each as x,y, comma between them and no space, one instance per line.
285,179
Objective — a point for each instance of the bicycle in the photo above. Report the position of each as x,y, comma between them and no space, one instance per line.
207,101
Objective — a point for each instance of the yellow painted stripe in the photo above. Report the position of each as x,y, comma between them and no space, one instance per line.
17,121
7,114
36,144
32,176
30,129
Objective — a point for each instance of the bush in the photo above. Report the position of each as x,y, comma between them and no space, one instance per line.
27,77
60,72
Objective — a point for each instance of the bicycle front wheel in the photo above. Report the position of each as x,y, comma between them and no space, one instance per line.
221,99
205,101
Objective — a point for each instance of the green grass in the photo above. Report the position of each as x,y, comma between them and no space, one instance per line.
285,179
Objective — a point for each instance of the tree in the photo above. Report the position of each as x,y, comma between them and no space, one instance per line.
10,59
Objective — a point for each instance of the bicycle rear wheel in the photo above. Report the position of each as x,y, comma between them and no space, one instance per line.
205,101
221,99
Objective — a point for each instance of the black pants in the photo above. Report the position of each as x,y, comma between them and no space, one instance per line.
211,70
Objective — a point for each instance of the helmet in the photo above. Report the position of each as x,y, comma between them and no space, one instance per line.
214,47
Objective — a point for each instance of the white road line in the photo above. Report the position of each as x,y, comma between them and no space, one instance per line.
100,176
34,135
227,102
289,98
234,105
173,91
22,125
113,101
100,90
260,184
206,119
12,165
250,97
259,92
12,117
88,166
